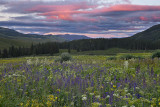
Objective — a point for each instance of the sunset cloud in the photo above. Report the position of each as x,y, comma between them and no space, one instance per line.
92,17
84,12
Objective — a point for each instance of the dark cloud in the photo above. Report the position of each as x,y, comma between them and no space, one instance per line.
79,17
3,2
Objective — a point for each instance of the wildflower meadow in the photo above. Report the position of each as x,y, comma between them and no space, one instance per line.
84,81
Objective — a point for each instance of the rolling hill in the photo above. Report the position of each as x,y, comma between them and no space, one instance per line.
151,34
10,37
69,37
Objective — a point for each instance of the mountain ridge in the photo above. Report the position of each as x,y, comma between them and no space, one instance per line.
13,37
19,39
151,34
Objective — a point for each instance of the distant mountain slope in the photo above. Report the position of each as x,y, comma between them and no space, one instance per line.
6,42
151,34
5,32
10,37
72,37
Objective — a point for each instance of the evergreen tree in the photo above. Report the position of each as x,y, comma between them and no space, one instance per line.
5,53
69,48
32,49
0,54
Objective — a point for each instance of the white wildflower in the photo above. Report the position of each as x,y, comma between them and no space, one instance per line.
128,94
96,104
125,89
29,61
126,64
116,95
72,103
91,94
108,96
37,61
98,96
137,88
20,89
84,98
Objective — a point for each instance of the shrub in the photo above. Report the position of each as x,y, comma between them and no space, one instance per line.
127,57
156,54
65,57
111,58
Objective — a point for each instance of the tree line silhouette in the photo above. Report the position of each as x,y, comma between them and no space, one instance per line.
41,48
104,44
81,45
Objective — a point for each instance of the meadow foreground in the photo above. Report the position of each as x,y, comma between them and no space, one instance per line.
86,81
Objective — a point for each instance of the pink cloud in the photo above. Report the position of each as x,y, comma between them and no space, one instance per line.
64,12
143,18
156,17
127,7
83,11
90,35
150,18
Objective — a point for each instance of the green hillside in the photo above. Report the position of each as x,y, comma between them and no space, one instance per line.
9,37
6,42
152,34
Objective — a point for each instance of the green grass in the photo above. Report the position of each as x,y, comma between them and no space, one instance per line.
6,43
135,54
111,51
87,80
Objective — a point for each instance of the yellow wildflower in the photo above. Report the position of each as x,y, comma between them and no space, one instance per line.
96,104
21,104
58,90
27,104
108,105
133,75
56,98
18,80
51,98
101,86
49,104
114,86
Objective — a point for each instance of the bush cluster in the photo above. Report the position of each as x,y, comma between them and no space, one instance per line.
128,56
111,58
156,54
64,57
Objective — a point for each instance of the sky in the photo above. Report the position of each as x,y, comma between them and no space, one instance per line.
93,18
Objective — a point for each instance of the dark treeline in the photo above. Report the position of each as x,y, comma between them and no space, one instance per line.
41,48
81,45
103,44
